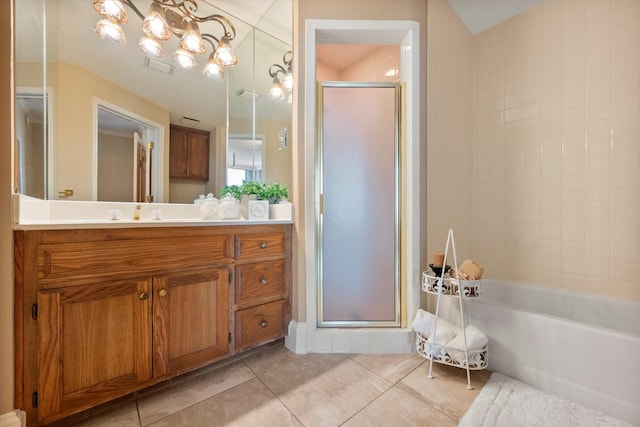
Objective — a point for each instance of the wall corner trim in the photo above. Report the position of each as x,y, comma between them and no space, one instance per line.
15,418
295,339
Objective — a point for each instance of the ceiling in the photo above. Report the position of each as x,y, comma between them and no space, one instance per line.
480,15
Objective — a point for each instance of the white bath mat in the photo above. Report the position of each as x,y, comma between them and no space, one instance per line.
505,402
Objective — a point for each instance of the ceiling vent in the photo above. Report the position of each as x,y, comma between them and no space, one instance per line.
247,94
188,121
160,66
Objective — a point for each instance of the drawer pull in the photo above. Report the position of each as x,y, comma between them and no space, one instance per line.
263,324
263,280
263,245
162,293
143,296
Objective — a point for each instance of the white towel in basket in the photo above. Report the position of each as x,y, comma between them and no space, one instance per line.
423,322
445,332
476,340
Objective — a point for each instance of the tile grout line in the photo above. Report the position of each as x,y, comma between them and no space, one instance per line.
273,394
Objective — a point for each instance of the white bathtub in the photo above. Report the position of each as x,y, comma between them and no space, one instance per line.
582,347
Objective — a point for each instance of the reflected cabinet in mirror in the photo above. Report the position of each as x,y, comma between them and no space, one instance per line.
93,115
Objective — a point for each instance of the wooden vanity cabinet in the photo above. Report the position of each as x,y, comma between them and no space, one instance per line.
188,153
102,313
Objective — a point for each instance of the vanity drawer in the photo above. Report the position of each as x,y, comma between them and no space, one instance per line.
89,260
260,324
259,281
250,246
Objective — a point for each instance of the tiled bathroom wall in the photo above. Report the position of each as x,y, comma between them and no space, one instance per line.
556,115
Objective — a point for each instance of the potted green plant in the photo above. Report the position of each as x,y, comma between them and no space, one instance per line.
234,190
275,192
254,188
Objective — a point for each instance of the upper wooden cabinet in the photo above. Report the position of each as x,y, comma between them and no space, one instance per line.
188,153
102,313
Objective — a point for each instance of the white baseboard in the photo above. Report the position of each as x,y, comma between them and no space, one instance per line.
295,339
15,418
304,339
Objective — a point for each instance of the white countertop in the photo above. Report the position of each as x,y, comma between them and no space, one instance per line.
37,214
83,224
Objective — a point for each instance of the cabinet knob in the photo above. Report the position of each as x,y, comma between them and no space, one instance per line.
263,280
263,324
162,293
143,296
263,245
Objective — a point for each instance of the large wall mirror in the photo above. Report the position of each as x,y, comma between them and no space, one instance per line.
77,93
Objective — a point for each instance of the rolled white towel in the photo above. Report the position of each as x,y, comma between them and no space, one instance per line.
444,333
476,340
422,322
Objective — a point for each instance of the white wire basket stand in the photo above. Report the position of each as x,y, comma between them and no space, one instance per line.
444,284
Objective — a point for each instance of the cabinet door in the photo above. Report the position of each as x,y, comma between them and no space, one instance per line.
178,153
191,319
94,344
198,155
188,153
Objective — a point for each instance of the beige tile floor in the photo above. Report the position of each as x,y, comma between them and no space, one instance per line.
274,387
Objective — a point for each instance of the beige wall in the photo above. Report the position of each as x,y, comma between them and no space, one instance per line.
6,235
277,166
556,146
75,89
115,167
449,165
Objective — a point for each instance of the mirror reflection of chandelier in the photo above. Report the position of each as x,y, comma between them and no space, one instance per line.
165,19
280,87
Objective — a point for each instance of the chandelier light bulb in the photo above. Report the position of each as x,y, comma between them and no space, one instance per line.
287,83
191,41
105,28
281,88
155,24
276,90
112,10
212,69
150,46
185,59
224,54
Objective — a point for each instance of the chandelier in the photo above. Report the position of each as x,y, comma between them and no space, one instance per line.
167,18
280,87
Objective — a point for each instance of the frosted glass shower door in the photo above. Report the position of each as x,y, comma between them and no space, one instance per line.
358,192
